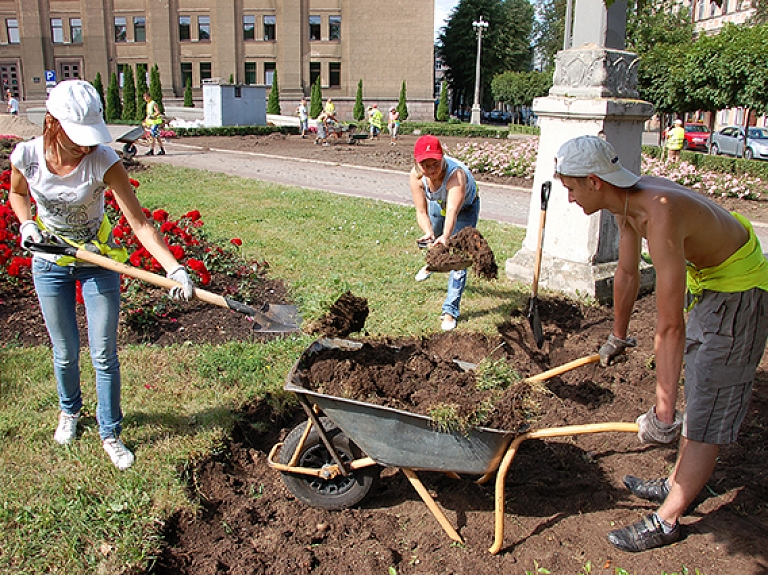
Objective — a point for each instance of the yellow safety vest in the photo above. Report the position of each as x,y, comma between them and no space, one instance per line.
104,242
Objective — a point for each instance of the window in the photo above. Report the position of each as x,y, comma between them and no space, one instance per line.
186,73
702,3
121,29
12,25
334,27
185,26
334,74
204,28
139,29
269,72
250,72
314,27
269,28
205,71
314,72
76,30
249,28
57,30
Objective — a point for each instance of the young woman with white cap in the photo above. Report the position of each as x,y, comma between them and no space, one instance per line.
66,172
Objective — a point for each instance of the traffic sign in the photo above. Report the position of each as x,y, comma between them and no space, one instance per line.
50,77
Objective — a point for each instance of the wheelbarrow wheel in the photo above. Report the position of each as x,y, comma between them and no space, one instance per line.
337,493
129,150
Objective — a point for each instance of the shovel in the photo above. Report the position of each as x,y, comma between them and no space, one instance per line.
533,304
270,318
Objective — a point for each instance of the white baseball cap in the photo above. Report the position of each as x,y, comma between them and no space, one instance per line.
77,106
587,155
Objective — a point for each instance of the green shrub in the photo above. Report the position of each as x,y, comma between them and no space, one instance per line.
188,102
720,164
114,105
129,95
141,88
358,112
273,103
236,131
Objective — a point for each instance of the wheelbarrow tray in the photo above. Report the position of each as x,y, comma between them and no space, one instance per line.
398,438
131,135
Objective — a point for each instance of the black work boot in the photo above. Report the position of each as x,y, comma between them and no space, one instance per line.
651,489
161,152
150,153
645,534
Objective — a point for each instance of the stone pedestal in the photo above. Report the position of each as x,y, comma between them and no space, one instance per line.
593,93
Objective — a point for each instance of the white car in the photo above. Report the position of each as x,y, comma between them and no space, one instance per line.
731,141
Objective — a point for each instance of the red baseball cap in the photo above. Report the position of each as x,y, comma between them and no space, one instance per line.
427,147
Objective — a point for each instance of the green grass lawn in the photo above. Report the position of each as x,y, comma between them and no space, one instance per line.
67,509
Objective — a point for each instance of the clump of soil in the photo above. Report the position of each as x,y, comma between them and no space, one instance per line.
468,247
347,315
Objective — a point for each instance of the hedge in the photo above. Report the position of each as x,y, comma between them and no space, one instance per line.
720,164
236,130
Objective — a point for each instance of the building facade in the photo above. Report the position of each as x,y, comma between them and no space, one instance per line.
381,42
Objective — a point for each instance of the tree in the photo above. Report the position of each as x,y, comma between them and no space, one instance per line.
141,89
402,104
156,88
443,113
506,45
100,89
316,99
273,104
188,102
114,106
358,112
549,31
518,89
129,95
231,78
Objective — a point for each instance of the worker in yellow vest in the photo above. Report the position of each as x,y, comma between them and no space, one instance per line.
152,123
675,141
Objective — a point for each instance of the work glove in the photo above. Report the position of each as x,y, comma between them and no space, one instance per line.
186,289
614,347
654,431
30,233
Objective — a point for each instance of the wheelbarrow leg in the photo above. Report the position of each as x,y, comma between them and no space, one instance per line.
427,498
501,475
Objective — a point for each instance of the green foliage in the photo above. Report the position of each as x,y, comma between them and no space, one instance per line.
495,375
188,102
114,105
236,130
129,94
156,87
316,100
520,88
231,78
506,44
402,105
273,103
443,113
141,89
100,89
549,30
358,112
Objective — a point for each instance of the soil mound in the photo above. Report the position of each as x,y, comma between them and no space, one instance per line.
19,126
466,248
347,315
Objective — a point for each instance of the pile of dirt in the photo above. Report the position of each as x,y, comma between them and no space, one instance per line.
468,247
19,126
347,315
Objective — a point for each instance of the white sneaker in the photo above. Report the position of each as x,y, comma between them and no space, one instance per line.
118,453
67,428
448,323
423,274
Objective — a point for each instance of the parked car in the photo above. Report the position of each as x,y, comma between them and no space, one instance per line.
696,137
731,141
500,117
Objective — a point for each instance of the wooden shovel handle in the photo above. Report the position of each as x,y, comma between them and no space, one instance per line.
555,371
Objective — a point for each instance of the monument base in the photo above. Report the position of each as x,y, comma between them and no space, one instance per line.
574,278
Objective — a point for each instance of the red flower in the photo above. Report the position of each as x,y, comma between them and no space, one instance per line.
117,232
199,268
160,215
79,293
194,215
177,251
236,242
134,183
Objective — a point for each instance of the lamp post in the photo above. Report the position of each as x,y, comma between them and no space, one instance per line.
480,26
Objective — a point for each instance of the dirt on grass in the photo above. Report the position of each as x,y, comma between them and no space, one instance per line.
561,497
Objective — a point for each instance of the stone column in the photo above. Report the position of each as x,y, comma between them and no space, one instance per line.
594,93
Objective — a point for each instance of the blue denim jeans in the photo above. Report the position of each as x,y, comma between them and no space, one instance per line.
457,279
55,286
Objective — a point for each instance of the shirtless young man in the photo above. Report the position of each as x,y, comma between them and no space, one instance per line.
696,247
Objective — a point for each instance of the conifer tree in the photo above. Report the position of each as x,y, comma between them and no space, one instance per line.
114,106
273,104
442,107
129,95
316,100
358,112
156,88
188,102
141,89
100,89
402,105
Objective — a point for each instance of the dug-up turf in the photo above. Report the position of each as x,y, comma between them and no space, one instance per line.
468,247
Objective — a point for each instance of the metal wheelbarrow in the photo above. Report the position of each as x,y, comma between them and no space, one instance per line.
129,139
332,462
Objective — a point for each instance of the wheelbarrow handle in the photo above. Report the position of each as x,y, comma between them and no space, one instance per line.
559,370
149,277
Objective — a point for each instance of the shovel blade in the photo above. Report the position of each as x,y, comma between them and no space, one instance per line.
535,320
275,318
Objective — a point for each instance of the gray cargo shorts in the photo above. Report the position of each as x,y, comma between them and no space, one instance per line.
725,339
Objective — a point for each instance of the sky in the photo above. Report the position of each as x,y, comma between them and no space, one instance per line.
442,10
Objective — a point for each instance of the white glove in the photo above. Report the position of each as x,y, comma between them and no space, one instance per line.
186,289
654,431
615,346
30,233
